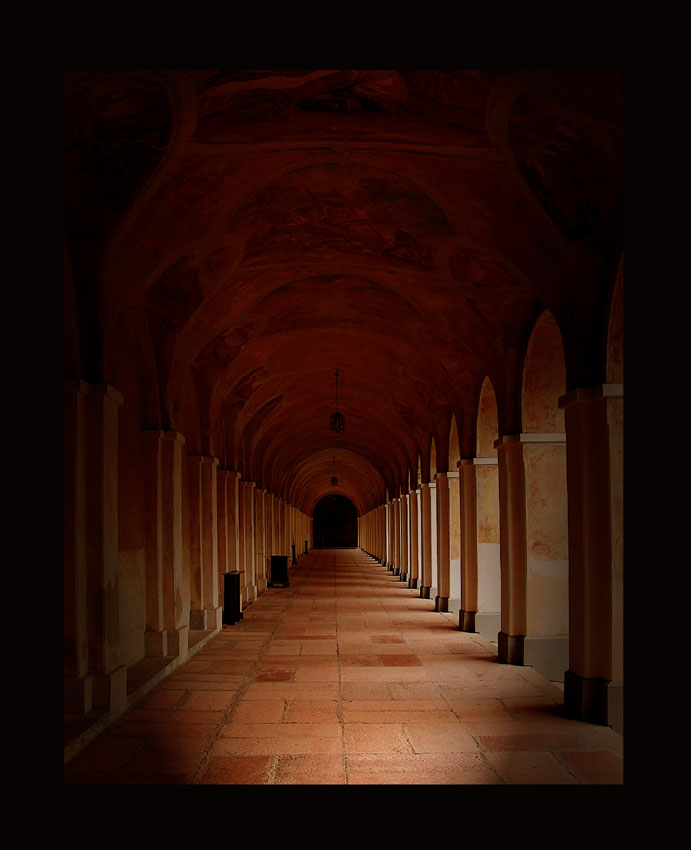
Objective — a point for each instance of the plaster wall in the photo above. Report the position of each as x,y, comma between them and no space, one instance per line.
131,539
454,536
544,379
132,608
185,592
433,522
488,540
419,534
488,577
615,424
547,586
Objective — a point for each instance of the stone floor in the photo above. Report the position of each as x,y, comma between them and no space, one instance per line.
347,677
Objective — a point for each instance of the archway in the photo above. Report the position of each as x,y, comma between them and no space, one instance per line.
335,523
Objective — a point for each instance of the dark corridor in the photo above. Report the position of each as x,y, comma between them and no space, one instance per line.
335,523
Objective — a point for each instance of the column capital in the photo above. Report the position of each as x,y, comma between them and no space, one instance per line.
478,461
203,459
107,391
507,439
76,385
162,434
588,393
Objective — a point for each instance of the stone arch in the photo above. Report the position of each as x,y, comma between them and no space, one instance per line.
485,475
544,379
487,431
454,517
544,607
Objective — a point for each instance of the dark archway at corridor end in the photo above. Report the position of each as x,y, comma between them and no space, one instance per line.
335,523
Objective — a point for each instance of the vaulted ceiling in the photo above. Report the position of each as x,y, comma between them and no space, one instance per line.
262,228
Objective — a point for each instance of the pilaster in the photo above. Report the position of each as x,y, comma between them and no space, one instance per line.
109,685
593,687
396,516
441,600
205,611
426,545
414,545
404,537
454,604
166,633
534,551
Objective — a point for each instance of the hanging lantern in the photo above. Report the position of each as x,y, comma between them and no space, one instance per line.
334,480
336,419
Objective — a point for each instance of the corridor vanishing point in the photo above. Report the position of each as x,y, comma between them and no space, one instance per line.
343,492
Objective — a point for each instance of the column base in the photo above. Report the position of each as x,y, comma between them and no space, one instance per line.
249,594
594,700
466,620
206,618
78,695
510,648
403,576
412,583
441,604
110,691
424,592
548,655
166,642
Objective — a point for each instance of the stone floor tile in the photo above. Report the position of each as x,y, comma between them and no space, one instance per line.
438,737
531,768
130,729
394,715
207,700
420,769
550,741
375,738
348,677
163,698
167,755
236,770
281,730
259,711
317,673
367,690
594,767
174,716
399,660
313,769
105,754
275,676
312,711
480,709
360,660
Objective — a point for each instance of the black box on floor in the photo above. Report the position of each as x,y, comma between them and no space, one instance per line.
232,609
279,571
